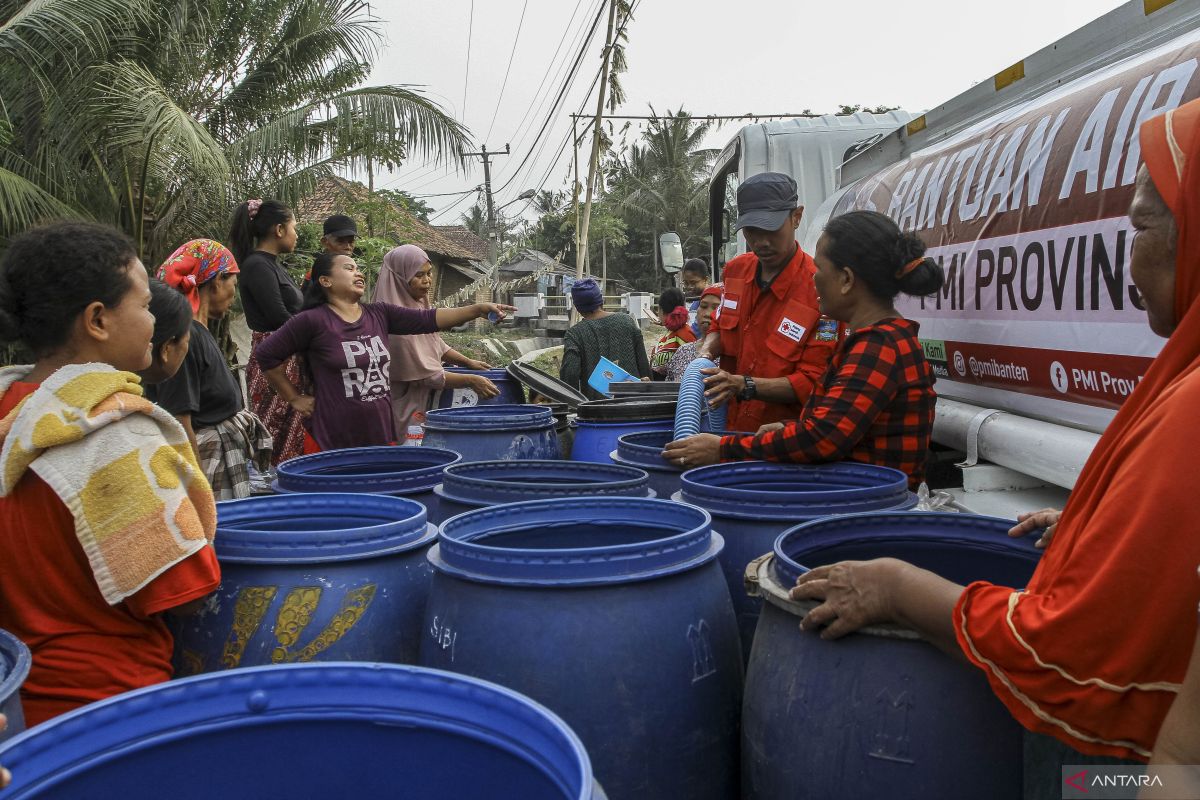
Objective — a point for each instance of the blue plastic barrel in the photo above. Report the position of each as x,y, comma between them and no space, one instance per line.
644,451
410,472
305,731
879,713
613,613
600,423
477,484
312,577
511,390
753,502
494,433
15,661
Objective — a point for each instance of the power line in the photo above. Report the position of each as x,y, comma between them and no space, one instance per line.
442,194
559,98
534,110
467,72
448,208
504,83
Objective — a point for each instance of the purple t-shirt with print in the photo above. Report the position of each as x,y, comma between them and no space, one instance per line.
351,368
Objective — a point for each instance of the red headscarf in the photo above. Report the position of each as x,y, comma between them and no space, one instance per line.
195,264
1094,650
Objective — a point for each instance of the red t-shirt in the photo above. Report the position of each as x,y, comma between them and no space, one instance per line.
83,649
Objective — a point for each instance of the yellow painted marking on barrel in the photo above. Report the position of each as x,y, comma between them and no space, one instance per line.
354,606
1010,76
248,612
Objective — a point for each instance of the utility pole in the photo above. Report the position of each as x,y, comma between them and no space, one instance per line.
595,161
575,188
604,266
493,233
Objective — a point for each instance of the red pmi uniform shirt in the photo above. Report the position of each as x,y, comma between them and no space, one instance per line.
875,404
83,649
773,333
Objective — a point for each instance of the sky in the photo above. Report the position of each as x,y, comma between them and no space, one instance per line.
705,56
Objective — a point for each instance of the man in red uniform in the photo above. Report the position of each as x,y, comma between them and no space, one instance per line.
773,343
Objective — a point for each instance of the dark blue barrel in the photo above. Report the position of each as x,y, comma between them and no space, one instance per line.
477,484
312,577
880,713
306,730
644,451
410,472
601,422
15,661
613,613
494,433
511,390
753,502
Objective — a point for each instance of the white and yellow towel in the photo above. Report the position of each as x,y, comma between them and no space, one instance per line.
121,464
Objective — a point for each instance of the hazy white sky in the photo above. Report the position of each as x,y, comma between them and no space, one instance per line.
706,56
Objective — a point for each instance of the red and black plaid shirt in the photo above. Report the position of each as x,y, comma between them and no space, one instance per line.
875,404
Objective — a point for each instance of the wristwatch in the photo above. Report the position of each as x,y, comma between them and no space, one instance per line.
750,392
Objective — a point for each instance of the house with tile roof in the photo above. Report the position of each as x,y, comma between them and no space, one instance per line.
456,260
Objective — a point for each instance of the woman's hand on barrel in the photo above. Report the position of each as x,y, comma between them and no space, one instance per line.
5,775
476,364
482,386
304,404
694,451
850,595
1031,521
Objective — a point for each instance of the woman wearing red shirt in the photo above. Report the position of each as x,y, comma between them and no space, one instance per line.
78,297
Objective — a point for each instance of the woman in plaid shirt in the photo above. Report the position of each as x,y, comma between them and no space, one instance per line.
875,403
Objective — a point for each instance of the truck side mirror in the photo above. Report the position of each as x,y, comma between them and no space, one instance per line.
671,251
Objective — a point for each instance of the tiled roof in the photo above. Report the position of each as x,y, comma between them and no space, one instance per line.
465,238
336,195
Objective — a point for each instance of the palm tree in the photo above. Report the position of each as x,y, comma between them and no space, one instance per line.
195,105
662,182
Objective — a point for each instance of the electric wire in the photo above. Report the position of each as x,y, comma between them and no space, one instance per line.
507,70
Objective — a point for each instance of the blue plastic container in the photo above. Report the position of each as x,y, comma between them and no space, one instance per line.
753,502
601,422
613,613
644,451
511,390
410,472
478,484
312,577
494,433
879,713
306,731
15,661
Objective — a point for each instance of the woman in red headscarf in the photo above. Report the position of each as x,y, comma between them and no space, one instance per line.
203,395
1093,650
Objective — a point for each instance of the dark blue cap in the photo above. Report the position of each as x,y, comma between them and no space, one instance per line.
765,201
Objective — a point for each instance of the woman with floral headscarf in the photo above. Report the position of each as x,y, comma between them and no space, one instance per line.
203,395
1092,652
406,279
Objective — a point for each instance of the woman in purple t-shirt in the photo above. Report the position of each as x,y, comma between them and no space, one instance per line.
346,345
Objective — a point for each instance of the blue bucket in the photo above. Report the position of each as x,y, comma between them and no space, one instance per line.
903,718
511,390
476,484
753,502
309,730
312,577
15,662
494,433
410,472
644,451
613,613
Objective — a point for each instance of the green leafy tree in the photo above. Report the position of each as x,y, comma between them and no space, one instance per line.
158,117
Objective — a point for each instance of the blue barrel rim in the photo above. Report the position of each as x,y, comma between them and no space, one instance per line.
301,474
755,504
460,552
978,530
405,527
19,658
493,481
501,417
310,691
629,450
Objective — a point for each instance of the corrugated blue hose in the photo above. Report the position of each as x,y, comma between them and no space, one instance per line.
690,407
